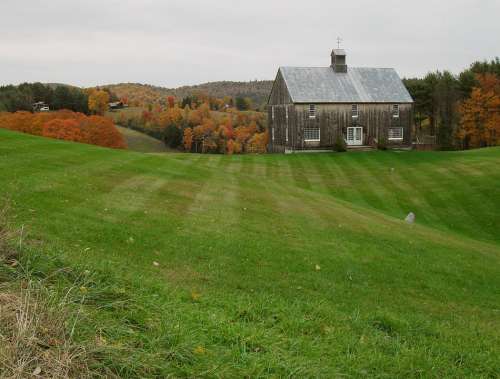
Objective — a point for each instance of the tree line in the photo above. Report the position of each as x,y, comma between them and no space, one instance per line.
57,97
254,93
23,96
461,111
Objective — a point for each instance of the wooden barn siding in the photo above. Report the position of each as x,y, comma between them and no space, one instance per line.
334,118
279,98
279,92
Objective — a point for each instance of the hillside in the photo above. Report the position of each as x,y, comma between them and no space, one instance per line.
141,142
270,265
258,91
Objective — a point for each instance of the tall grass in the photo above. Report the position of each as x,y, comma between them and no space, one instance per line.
36,322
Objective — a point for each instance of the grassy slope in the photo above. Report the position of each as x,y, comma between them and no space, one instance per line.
238,239
141,142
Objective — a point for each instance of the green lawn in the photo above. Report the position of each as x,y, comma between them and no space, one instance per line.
272,265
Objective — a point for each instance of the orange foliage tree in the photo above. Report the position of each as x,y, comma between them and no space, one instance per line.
480,114
66,125
188,139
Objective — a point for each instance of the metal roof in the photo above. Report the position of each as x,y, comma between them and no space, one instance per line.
358,85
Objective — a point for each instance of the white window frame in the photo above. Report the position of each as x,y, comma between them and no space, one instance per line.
392,138
312,139
355,111
395,110
312,111
286,127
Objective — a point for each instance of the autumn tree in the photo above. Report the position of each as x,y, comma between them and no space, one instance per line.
480,114
66,125
171,101
98,101
187,139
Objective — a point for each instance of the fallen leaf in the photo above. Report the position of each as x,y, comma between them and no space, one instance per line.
195,296
156,264
317,267
37,370
199,350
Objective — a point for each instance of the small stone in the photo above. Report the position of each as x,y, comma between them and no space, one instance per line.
156,264
410,219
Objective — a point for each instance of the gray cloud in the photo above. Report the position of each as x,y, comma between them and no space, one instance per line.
173,42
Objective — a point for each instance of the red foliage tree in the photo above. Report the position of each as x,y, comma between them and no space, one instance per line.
66,125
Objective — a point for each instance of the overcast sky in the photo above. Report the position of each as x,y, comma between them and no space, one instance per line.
179,42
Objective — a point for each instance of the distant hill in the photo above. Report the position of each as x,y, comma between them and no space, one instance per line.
257,90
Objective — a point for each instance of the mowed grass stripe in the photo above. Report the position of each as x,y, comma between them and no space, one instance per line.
478,197
451,202
400,195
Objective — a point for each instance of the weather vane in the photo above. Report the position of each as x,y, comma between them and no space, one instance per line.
339,41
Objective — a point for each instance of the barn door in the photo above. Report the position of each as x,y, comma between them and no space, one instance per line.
354,136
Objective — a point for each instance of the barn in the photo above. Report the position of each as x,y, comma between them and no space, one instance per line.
311,108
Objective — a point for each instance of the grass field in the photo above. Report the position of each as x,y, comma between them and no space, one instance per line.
140,142
273,265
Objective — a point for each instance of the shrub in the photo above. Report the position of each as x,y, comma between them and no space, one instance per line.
66,125
382,143
339,145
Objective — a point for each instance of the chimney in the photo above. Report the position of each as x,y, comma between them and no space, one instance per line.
339,61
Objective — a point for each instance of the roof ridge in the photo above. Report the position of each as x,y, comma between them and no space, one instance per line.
348,67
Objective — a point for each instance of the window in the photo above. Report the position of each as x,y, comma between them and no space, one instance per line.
311,134
395,110
355,111
312,110
286,112
395,133
272,112
272,134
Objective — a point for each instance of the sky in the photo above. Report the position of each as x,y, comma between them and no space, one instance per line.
173,43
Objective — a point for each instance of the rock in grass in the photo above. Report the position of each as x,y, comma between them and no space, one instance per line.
410,219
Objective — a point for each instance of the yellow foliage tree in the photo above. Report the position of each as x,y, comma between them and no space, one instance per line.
98,101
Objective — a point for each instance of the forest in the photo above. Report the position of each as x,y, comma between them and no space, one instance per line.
461,111
254,92
201,124
22,97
